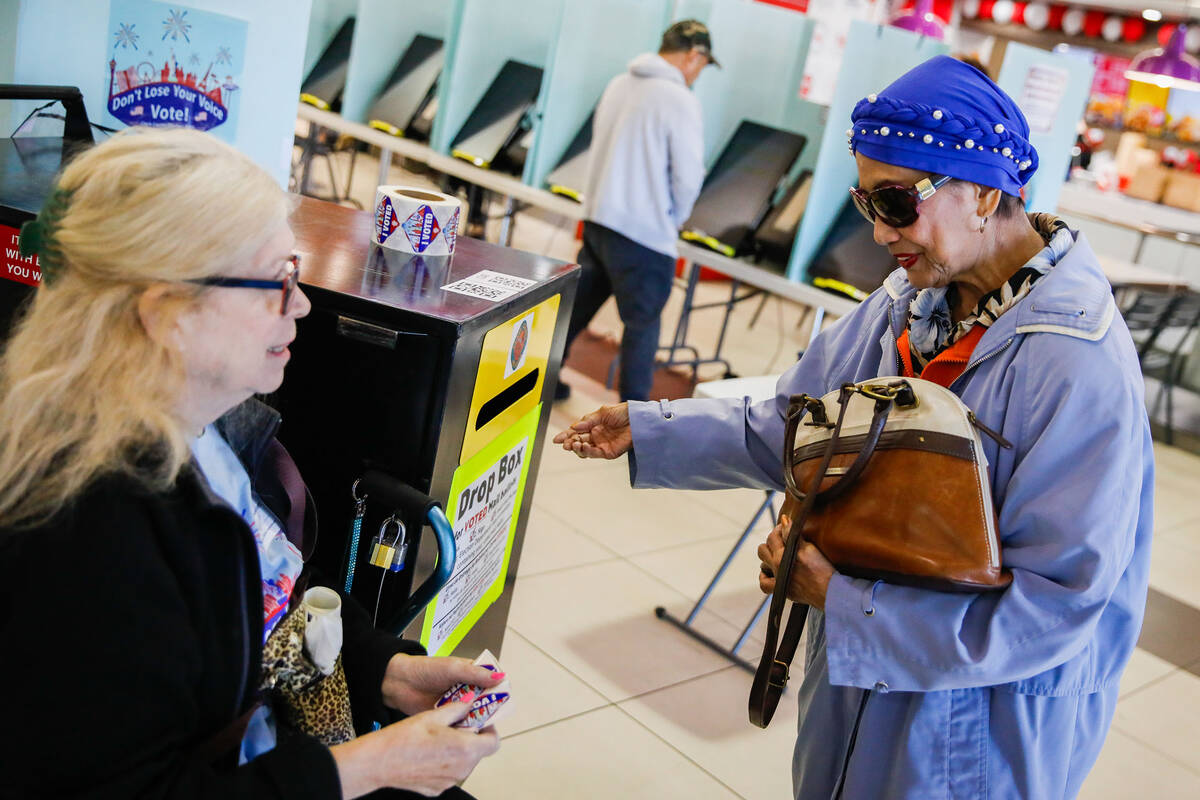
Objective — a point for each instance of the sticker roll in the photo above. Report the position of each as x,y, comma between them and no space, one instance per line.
417,221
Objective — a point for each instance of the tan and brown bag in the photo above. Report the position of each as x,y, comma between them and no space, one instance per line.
896,489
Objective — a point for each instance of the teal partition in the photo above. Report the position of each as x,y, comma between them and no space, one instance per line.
483,35
1052,90
389,26
8,52
809,118
596,41
695,9
762,50
874,57
323,22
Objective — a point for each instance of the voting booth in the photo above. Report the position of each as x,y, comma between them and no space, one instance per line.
759,135
739,191
326,81
396,64
407,104
438,372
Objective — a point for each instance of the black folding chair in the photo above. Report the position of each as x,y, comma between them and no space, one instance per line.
1166,350
1146,315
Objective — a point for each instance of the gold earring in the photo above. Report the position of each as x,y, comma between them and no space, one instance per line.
982,224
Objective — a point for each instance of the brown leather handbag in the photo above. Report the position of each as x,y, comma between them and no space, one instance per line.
896,490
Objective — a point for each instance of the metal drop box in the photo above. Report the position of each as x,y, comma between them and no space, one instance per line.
446,391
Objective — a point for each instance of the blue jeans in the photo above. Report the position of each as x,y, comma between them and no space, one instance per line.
640,278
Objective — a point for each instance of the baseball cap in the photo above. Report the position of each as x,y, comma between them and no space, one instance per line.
689,34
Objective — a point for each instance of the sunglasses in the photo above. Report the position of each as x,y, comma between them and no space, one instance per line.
896,205
287,285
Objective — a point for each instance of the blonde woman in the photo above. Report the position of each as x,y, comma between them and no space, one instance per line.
140,567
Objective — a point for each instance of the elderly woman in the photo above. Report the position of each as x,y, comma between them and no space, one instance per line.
911,692
142,561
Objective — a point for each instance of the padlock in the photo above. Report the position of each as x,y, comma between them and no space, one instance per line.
381,554
388,552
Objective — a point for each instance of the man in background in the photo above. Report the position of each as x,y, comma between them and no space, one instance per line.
645,171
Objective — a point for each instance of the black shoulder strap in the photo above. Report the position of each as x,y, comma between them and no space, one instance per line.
297,519
773,669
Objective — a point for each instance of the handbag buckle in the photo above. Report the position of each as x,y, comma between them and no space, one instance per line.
817,416
901,393
776,668
905,396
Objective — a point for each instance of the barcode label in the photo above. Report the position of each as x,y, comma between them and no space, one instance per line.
491,286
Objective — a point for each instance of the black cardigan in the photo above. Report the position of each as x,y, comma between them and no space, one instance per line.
131,633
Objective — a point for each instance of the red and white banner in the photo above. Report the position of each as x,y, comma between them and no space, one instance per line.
14,267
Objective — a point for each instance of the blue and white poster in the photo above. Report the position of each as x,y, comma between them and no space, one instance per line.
174,65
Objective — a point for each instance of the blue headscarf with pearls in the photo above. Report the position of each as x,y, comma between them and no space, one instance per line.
947,118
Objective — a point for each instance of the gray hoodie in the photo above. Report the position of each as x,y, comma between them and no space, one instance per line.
647,155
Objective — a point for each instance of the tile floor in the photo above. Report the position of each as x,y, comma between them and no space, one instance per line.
627,706
614,703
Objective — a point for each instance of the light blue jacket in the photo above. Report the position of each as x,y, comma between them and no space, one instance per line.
998,695
646,161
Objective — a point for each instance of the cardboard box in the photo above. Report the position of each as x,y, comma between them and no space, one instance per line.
1183,191
1127,147
1148,182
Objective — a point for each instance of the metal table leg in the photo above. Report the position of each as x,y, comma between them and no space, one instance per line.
385,166
507,222
306,157
818,318
685,625
679,341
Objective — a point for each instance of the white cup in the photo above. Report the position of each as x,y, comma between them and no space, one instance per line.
323,627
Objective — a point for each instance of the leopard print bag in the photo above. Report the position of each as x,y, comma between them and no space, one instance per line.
305,698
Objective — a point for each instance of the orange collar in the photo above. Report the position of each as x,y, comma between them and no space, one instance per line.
946,365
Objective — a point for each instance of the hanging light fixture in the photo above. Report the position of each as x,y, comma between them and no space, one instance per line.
1169,67
922,20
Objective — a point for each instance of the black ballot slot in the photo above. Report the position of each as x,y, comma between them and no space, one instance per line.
327,79
740,187
570,174
494,135
506,398
409,89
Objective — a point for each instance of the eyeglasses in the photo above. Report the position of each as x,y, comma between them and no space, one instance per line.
896,205
287,285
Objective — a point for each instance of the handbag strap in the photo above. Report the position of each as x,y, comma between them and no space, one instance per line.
883,397
298,498
773,668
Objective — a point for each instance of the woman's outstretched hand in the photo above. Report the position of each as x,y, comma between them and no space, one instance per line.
810,575
604,433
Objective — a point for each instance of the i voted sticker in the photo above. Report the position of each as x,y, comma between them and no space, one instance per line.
451,231
385,220
421,228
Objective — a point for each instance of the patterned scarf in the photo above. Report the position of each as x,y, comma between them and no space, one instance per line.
929,328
